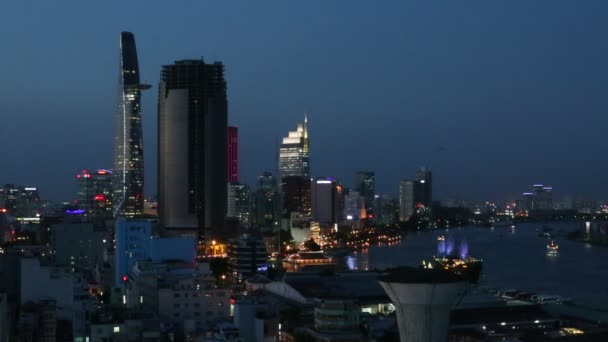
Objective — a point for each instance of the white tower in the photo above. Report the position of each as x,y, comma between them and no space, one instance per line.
423,298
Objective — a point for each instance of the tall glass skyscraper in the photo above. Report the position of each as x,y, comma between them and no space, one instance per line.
294,153
192,130
128,176
365,184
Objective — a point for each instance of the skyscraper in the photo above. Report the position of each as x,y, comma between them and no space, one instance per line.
296,195
424,187
325,200
294,154
95,193
267,201
192,126
365,185
128,182
233,154
239,203
406,199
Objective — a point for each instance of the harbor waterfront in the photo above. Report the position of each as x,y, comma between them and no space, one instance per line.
514,258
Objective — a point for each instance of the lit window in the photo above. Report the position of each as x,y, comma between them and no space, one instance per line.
116,329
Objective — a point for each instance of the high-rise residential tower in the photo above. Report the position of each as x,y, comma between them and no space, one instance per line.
128,176
294,153
192,126
406,199
233,154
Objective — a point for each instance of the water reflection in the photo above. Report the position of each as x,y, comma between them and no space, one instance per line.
513,258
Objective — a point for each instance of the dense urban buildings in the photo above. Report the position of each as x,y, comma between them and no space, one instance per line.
192,126
20,201
415,194
78,246
128,142
541,198
95,193
296,257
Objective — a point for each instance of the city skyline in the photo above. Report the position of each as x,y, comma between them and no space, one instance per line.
516,124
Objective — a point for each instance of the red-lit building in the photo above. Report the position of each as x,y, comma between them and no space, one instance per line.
233,154
95,193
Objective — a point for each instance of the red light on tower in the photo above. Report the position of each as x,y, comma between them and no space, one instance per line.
125,278
100,197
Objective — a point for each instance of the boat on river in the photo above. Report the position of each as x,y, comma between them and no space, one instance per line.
552,248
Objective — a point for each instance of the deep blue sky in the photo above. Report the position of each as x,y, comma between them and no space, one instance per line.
493,96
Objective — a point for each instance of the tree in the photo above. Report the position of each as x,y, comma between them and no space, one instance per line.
311,245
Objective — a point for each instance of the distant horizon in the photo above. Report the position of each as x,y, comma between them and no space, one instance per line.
387,88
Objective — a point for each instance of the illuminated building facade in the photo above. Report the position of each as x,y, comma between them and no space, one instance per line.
192,127
294,153
128,145
95,193
233,154
239,203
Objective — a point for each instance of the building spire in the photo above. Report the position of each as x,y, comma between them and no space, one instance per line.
305,125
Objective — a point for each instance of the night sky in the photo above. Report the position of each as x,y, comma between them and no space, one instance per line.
492,96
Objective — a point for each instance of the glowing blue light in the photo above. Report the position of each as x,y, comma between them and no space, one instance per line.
441,248
450,246
463,250
75,212
351,263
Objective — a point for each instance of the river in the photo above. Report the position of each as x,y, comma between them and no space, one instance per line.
513,259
